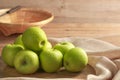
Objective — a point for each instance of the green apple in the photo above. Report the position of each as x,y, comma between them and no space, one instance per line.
9,52
75,60
34,38
51,60
19,41
48,45
26,62
64,46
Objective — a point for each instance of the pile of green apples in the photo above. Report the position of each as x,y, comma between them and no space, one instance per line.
31,51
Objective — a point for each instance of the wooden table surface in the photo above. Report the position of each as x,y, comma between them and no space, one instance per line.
109,32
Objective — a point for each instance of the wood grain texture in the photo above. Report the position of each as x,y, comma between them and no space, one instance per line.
74,11
103,31
82,29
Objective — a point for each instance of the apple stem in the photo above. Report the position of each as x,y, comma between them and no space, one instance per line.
24,63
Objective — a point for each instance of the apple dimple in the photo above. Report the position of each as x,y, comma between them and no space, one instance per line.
66,63
42,43
24,62
64,43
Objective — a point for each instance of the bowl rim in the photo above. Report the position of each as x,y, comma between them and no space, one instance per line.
50,18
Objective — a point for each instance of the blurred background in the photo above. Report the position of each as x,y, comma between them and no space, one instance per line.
82,11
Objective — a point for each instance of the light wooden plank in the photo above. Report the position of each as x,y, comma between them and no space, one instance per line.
74,10
82,30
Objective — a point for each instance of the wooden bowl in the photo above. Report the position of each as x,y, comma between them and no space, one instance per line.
20,20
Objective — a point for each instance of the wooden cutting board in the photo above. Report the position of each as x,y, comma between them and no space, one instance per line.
6,71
